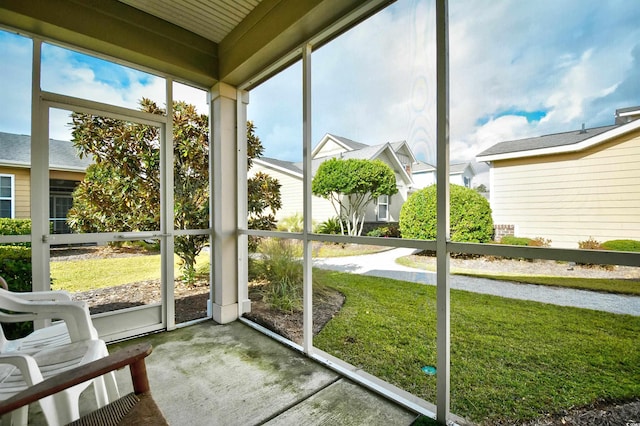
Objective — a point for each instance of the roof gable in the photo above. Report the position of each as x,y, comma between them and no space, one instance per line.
283,166
331,145
365,152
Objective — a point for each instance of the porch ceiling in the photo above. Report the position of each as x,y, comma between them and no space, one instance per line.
201,42
211,19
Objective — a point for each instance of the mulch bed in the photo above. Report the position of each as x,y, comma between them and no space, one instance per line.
289,325
191,300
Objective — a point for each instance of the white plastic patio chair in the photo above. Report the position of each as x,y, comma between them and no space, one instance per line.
21,371
46,346
135,408
29,306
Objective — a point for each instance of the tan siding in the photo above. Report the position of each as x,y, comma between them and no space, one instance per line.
571,197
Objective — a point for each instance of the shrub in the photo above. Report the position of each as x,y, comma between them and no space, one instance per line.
15,268
390,231
293,223
16,227
329,226
540,242
590,244
622,245
515,241
281,267
524,241
470,215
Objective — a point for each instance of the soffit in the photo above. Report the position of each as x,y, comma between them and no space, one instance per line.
211,19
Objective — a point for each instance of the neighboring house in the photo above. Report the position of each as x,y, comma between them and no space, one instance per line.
424,174
397,155
66,170
570,186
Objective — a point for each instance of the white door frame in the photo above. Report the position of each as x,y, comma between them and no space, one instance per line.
127,322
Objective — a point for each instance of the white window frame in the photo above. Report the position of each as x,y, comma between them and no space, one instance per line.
384,203
12,197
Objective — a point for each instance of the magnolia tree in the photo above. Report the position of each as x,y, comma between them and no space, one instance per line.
121,189
351,185
263,190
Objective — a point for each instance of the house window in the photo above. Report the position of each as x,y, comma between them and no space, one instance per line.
6,196
60,202
383,208
59,206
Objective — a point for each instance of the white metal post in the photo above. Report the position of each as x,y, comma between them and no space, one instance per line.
307,208
443,306
167,212
39,177
244,304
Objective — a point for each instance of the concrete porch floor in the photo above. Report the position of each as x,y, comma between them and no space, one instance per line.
210,374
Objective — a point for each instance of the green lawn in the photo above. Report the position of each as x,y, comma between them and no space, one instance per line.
82,275
616,286
510,360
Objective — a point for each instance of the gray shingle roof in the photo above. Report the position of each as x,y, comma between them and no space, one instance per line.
546,141
348,142
288,165
458,167
364,152
16,150
421,166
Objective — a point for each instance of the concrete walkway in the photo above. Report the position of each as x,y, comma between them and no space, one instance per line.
209,374
384,265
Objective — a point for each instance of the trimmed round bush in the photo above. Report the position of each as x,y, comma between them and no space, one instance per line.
621,245
470,215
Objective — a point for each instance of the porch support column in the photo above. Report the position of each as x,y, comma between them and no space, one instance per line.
225,203
443,298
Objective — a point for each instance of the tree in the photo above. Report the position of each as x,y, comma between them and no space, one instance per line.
470,215
121,190
351,185
263,190
481,188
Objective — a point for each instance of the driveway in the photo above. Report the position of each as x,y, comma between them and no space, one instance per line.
384,265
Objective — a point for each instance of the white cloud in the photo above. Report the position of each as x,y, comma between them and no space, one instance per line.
377,82
63,73
573,59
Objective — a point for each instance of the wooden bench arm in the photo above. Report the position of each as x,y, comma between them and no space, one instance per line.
133,356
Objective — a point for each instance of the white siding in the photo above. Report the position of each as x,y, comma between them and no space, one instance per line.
329,148
424,179
292,197
570,197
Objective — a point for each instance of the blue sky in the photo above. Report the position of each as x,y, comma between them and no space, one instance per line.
518,69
